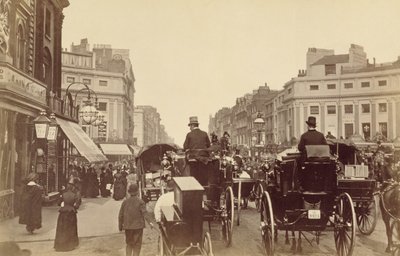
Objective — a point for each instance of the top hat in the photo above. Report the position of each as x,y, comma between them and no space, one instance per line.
312,121
193,120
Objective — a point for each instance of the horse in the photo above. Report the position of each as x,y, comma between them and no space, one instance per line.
390,205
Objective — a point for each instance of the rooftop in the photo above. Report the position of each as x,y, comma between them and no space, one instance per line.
332,59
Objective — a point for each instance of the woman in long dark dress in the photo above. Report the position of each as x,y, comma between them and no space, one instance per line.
106,180
67,223
92,183
31,203
119,185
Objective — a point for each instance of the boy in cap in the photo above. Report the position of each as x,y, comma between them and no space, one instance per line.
131,219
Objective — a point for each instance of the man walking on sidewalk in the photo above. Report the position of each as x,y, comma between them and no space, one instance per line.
131,219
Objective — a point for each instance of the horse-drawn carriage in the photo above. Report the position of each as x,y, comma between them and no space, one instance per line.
357,178
302,195
205,197
155,164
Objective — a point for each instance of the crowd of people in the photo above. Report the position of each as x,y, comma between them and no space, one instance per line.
82,182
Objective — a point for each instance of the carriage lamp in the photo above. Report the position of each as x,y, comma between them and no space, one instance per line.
41,125
53,128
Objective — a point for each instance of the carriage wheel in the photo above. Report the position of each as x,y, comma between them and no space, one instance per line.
227,221
367,216
160,247
207,245
259,191
239,203
345,228
395,230
267,224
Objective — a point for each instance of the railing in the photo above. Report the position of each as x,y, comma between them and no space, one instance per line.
64,108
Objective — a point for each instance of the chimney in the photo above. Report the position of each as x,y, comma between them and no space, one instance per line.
374,61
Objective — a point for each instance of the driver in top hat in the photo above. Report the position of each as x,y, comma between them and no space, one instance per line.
196,138
312,136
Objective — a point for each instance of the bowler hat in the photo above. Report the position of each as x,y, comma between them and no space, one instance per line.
193,120
312,121
133,189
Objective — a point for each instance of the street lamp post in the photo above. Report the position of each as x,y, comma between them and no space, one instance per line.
88,112
259,125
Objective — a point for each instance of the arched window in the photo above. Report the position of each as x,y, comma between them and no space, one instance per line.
47,67
20,58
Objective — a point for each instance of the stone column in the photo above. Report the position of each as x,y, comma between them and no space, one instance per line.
340,122
373,119
297,123
356,118
322,121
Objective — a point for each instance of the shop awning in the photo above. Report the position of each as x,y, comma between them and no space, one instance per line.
85,146
115,149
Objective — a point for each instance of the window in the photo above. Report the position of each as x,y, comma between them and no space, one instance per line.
331,109
314,110
314,87
103,83
330,69
348,85
348,130
366,127
364,84
383,129
48,23
331,86
87,81
47,67
382,83
289,91
102,106
20,60
365,108
348,109
382,107
70,79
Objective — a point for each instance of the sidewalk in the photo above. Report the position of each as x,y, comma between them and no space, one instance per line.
96,217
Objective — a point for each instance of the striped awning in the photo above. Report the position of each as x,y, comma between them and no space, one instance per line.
85,145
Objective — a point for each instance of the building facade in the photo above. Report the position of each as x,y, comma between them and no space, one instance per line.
147,125
109,75
346,94
30,82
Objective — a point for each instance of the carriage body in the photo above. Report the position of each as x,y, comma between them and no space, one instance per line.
181,225
153,170
303,196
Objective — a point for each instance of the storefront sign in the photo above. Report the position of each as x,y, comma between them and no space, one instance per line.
22,84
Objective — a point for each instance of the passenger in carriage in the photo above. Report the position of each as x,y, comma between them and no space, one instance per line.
195,143
224,142
311,136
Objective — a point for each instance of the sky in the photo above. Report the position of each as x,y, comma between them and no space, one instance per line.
193,57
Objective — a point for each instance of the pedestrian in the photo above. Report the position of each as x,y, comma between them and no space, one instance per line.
92,189
131,218
31,203
131,179
67,224
119,185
